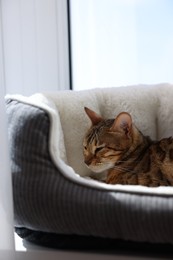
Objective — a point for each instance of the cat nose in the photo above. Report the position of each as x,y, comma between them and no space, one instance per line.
88,161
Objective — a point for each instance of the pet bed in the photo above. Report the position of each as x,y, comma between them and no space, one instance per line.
53,191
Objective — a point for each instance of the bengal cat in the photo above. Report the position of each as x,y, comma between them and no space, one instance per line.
117,148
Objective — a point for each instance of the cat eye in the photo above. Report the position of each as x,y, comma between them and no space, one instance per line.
109,147
98,149
113,148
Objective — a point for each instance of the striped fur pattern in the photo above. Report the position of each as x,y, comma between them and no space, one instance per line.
117,148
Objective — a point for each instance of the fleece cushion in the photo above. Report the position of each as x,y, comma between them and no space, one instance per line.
52,190
108,103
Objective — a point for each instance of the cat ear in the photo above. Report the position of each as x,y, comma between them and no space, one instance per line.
123,122
94,117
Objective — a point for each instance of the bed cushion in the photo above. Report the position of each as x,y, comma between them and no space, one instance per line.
50,189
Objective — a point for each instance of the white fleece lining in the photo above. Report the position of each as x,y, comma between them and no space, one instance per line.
41,101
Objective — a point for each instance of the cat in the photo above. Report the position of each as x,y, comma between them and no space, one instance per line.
118,148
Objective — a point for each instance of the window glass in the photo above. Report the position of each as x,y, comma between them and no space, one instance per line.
121,42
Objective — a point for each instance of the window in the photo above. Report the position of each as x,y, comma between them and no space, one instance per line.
121,42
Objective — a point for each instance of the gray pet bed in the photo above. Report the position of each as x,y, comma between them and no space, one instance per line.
53,193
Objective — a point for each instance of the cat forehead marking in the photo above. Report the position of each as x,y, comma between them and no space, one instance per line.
98,129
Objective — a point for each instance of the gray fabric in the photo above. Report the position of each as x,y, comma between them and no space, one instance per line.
47,201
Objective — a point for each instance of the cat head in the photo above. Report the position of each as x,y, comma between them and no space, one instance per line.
106,140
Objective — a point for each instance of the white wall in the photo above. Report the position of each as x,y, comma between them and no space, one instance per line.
33,57
35,45
6,214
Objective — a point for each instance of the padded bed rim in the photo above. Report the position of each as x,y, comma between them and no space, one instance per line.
40,101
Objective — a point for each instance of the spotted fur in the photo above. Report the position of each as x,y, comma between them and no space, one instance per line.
117,148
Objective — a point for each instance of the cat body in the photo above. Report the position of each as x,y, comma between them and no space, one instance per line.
117,148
